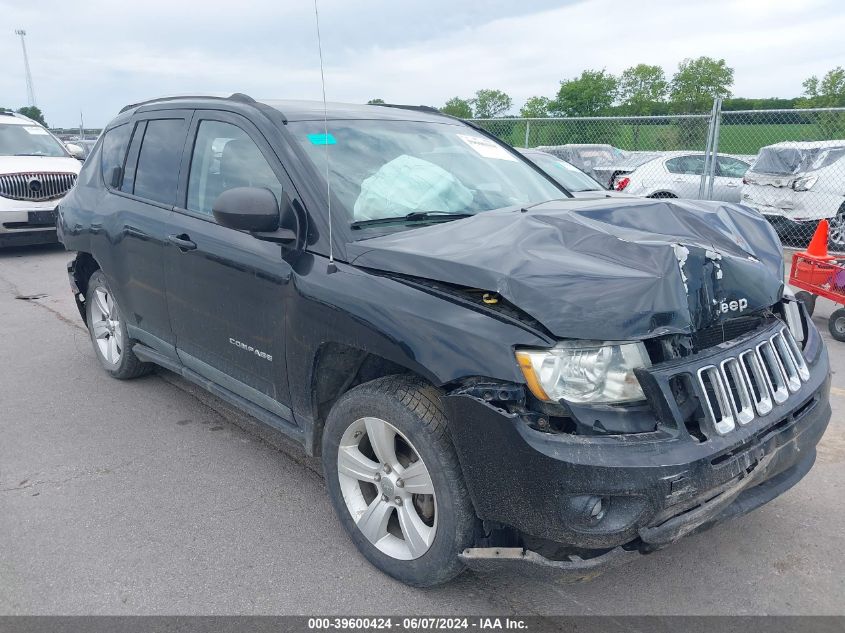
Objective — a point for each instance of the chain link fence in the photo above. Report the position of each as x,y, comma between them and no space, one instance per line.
787,164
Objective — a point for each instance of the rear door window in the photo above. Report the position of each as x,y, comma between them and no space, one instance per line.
157,173
691,165
115,142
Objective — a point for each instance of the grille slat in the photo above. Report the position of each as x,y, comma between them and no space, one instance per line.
36,186
753,381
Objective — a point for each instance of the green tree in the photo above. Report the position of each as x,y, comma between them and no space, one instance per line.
458,107
375,102
535,107
827,92
699,81
488,104
591,94
33,113
642,88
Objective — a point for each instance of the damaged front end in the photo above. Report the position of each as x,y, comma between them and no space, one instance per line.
730,419
679,386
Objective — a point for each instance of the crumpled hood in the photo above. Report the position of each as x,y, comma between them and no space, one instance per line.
607,269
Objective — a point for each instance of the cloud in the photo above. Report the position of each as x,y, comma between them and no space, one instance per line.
97,56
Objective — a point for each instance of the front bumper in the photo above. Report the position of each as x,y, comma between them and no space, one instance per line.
32,223
655,487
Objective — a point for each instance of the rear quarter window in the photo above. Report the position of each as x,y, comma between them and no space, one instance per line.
115,142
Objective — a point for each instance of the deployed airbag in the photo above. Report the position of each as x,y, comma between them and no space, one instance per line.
407,184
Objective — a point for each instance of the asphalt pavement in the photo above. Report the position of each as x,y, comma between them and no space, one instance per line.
152,497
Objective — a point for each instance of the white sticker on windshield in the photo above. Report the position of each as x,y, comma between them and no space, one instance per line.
486,148
32,129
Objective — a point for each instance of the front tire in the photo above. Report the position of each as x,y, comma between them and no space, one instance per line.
395,482
107,329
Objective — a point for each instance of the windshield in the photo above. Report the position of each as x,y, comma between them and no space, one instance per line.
794,160
567,175
389,169
28,140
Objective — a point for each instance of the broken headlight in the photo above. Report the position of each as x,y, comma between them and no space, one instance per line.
805,183
584,372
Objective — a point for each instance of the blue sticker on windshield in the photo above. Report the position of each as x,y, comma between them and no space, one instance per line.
321,139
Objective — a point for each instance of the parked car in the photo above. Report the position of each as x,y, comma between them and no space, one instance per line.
795,184
575,181
678,175
493,373
81,148
586,156
36,171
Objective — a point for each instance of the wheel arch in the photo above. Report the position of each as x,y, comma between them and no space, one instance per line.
80,270
337,368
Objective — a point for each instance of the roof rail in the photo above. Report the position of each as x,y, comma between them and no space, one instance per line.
417,108
237,96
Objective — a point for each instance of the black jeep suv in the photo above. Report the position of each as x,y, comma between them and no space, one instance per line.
494,373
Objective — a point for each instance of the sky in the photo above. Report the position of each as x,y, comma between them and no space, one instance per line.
95,56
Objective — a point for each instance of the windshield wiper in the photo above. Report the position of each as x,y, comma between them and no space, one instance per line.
415,216
30,154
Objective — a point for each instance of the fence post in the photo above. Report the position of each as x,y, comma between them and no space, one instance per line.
702,185
714,150
527,132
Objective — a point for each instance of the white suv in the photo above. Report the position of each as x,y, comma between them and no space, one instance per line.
36,171
794,184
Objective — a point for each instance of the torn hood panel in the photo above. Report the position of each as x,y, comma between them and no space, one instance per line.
607,269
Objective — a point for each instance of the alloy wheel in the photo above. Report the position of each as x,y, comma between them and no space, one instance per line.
387,488
836,234
105,324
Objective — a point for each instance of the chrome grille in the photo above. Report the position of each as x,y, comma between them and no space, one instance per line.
749,384
36,186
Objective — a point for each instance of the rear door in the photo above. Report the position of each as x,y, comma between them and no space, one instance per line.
685,175
143,183
226,289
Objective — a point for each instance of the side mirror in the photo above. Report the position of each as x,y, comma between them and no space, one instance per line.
250,209
76,151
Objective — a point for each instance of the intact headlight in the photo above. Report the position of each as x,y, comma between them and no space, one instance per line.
584,372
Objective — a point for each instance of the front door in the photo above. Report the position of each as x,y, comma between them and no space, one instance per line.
226,289
727,185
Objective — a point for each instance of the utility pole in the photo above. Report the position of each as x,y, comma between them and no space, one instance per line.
30,92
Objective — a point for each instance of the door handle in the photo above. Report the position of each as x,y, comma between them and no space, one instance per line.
732,184
183,241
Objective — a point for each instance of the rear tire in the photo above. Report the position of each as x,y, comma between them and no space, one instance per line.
417,536
836,324
107,329
808,299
